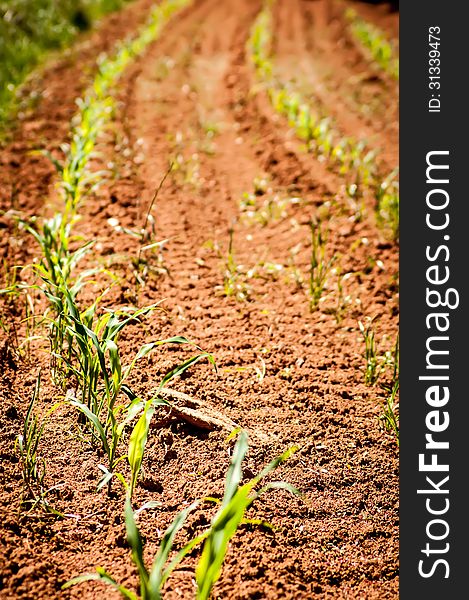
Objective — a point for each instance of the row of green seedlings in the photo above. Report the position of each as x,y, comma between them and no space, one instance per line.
373,43
97,107
84,343
229,517
354,161
55,236
377,365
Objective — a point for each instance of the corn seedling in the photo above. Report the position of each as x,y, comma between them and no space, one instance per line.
320,265
234,283
374,44
147,242
149,258
387,204
391,360
376,363
293,272
260,43
354,195
231,514
390,419
101,378
185,162
209,130
343,300
260,371
271,208
372,366
33,468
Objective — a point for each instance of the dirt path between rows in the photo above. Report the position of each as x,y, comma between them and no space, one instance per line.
287,375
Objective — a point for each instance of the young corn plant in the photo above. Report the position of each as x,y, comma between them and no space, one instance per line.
234,283
391,362
343,300
320,265
387,204
33,467
390,419
271,208
147,244
376,363
260,42
230,516
149,258
185,159
373,365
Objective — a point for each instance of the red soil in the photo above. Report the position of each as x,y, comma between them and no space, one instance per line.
340,539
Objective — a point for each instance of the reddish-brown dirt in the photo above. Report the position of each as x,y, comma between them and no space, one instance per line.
340,538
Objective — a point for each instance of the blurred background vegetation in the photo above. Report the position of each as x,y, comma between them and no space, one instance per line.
30,28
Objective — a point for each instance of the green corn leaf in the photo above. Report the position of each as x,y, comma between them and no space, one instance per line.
275,463
105,479
182,554
179,370
94,420
148,505
129,393
144,350
235,473
223,527
157,570
231,515
135,542
115,363
137,442
101,575
177,339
